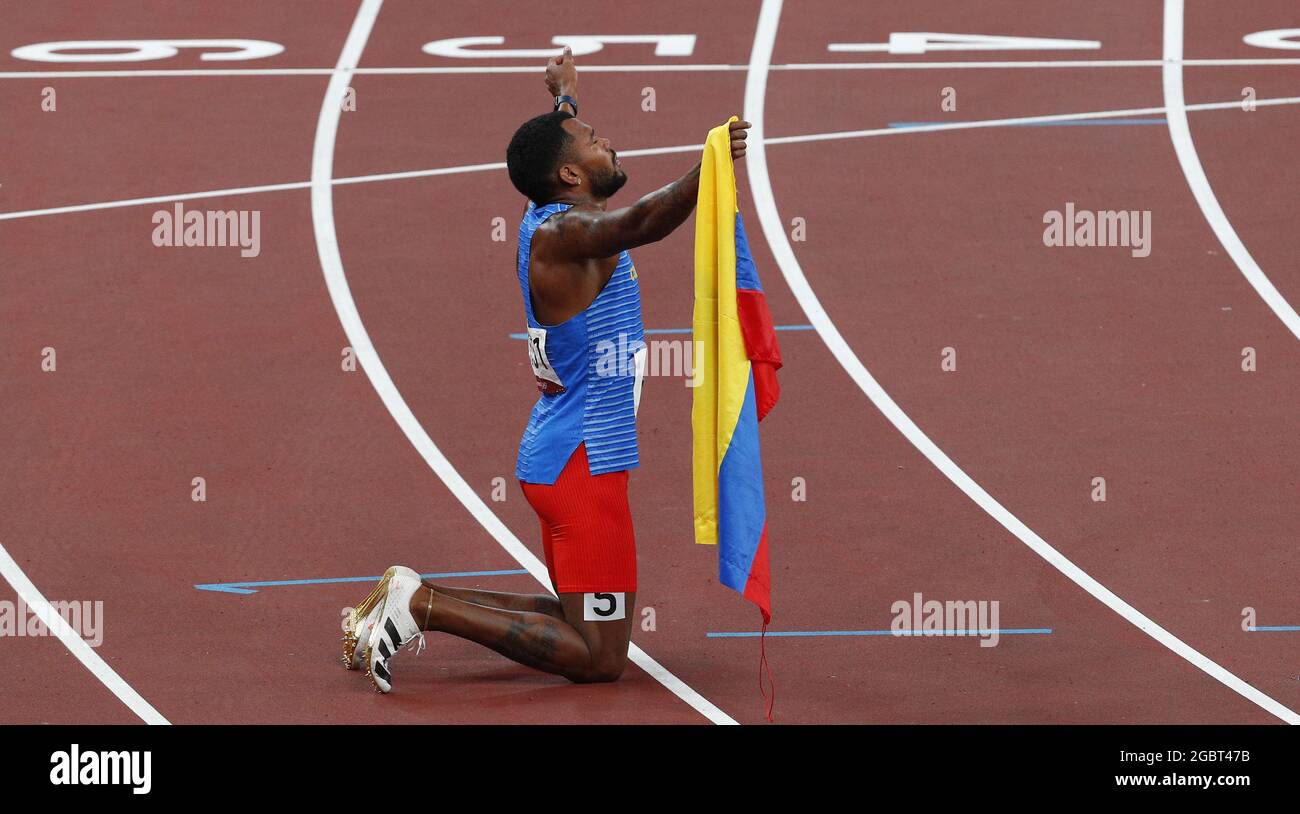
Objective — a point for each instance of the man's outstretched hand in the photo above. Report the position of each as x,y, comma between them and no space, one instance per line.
739,131
562,74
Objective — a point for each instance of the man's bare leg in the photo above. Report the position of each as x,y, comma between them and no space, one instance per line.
539,603
579,650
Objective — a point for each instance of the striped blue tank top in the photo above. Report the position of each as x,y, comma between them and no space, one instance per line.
589,370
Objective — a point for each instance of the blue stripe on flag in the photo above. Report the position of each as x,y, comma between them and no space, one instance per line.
742,512
746,272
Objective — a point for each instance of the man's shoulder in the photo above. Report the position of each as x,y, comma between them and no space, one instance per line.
575,216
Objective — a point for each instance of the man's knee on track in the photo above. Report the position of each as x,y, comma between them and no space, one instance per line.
602,670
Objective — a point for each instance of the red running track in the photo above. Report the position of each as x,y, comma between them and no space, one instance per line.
1072,364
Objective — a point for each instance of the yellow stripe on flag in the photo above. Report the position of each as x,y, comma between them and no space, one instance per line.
722,366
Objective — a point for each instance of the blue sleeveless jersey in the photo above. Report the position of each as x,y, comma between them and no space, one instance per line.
588,370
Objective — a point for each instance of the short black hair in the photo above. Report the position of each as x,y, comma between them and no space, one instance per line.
535,151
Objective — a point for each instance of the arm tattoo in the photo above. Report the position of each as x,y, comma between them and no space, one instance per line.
650,219
674,198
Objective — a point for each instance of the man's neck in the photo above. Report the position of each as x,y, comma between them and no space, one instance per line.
584,200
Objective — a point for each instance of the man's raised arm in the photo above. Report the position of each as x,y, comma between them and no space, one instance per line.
562,80
587,232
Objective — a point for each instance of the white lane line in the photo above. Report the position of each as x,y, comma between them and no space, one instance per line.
679,148
1181,134
327,247
1047,63
431,70
125,202
975,125
426,70
765,203
76,645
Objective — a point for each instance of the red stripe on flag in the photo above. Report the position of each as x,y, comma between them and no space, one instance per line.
761,347
758,589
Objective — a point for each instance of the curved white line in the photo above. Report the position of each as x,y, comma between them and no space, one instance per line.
765,203
1181,134
76,645
322,211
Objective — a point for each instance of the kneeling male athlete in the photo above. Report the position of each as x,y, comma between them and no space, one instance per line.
581,297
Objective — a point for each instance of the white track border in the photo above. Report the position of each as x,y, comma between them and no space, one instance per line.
1181,135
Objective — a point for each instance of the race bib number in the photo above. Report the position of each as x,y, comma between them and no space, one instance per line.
603,607
638,364
548,381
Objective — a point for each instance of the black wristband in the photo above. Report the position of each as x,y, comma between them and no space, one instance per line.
561,100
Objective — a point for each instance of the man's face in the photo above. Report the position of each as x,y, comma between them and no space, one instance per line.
598,161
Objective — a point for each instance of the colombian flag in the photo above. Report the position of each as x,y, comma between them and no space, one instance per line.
737,360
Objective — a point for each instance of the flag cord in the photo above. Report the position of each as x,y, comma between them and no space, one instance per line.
763,665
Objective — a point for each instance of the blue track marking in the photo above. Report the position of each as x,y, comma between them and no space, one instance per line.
650,331
754,634
1275,628
1062,123
243,588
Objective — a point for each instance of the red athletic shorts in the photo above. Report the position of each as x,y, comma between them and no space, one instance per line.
586,529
